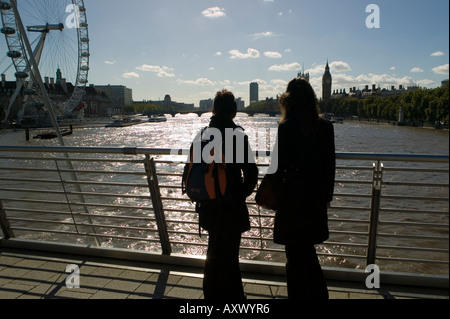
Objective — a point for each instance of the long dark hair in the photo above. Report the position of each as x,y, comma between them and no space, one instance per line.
300,103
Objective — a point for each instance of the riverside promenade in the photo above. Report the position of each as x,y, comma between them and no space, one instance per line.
26,274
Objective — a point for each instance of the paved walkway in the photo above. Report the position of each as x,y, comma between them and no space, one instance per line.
39,275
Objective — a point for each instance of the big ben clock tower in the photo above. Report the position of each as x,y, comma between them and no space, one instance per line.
326,84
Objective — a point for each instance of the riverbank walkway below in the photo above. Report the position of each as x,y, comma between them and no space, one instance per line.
26,274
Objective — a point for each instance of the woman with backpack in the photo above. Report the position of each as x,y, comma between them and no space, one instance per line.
225,216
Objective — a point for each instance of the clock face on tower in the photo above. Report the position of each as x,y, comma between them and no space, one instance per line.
328,81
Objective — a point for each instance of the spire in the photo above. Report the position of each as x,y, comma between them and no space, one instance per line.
327,68
58,75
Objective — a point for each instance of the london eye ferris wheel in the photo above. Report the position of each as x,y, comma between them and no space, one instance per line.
56,33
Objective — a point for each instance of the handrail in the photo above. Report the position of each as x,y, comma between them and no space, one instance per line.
168,151
382,213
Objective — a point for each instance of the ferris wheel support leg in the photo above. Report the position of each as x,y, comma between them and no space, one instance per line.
12,100
37,55
38,80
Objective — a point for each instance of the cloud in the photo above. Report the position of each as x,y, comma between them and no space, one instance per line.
392,68
416,70
273,55
260,35
130,75
110,62
218,53
200,81
251,53
437,53
161,71
214,12
442,69
339,66
335,66
285,67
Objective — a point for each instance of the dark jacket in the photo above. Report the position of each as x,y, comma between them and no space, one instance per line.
311,163
232,216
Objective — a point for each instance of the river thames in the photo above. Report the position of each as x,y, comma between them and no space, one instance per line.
177,132
350,137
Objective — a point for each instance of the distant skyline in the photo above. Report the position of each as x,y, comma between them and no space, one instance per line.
191,49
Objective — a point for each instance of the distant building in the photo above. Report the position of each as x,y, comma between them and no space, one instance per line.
303,75
254,92
120,96
444,83
240,103
326,84
169,104
372,91
206,105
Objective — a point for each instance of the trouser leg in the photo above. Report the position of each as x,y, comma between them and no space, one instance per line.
222,275
305,277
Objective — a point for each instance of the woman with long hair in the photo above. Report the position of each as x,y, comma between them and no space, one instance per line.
306,155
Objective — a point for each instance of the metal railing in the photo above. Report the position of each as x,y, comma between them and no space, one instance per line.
388,209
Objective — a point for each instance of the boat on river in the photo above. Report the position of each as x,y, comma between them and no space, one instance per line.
157,118
125,121
48,135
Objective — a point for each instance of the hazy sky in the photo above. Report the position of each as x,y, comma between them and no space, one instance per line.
191,49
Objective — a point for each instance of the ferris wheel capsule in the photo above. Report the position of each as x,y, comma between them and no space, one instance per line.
21,75
5,5
14,54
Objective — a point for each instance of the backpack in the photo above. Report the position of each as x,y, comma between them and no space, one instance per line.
203,181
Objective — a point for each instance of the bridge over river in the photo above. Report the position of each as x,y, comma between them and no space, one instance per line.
200,112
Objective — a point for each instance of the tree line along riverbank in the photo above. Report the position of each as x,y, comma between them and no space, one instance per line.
420,107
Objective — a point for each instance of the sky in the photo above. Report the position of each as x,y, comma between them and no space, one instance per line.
191,49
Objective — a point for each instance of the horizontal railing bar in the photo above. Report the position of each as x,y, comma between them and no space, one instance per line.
167,151
42,221
397,197
413,236
184,199
389,222
438,250
74,203
409,211
24,210
346,220
335,243
414,184
349,208
139,218
352,195
413,260
180,210
71,223
179,221
415,170
85,234
64,170
121,184
99,194
73,159
111,206
353,167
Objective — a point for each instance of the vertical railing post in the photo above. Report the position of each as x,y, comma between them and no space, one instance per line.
155,194
374,212
4,223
